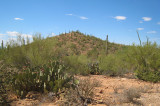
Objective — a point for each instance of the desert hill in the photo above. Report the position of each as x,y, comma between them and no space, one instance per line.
76,43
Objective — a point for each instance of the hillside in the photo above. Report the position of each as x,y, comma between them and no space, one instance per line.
76,43
40,50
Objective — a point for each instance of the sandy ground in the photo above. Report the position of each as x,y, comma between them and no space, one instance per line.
112,92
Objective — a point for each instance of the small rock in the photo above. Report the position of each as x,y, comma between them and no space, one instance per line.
101,91
100,101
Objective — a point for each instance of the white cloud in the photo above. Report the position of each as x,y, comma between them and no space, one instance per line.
140,21
120,18
140,29
53,34
83,18
158,23
151,32
14,34
69,14
146,18
18,19
26,35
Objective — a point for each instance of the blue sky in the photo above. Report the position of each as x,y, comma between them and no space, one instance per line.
118,18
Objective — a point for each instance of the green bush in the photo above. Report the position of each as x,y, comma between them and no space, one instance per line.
93,68
113,64
3,93
37,53
5,74
76,64
49,77
146,59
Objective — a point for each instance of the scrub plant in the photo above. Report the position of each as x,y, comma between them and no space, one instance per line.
3,93
50,77
146,60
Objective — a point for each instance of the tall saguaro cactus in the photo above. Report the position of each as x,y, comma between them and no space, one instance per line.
107,45
2,44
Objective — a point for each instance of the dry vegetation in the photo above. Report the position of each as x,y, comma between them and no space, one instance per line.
99,90
77,69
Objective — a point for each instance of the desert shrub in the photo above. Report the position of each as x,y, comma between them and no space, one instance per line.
76,64
82,65
93,68
93,54
81,94
49,77
113,64
3,93
2,50
6,73
131,94
146,60
37,52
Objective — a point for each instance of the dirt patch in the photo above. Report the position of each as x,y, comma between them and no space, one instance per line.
113,91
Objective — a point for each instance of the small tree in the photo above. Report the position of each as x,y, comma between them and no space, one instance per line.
146,58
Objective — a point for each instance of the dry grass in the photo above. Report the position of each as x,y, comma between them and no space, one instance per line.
132,94
127,96
117,88
81,95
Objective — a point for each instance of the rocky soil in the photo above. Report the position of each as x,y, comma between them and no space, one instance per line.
112,91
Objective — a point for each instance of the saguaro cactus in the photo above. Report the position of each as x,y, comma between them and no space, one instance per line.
107,45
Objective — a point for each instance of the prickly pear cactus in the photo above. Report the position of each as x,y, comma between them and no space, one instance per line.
49,77
94,68
3,94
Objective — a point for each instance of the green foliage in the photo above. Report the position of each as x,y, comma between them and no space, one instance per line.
93,54
76,64
74,49
146,60
2,45
36,53
5,74
113,64
82,65
49,77
94,68
3,94
82,54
